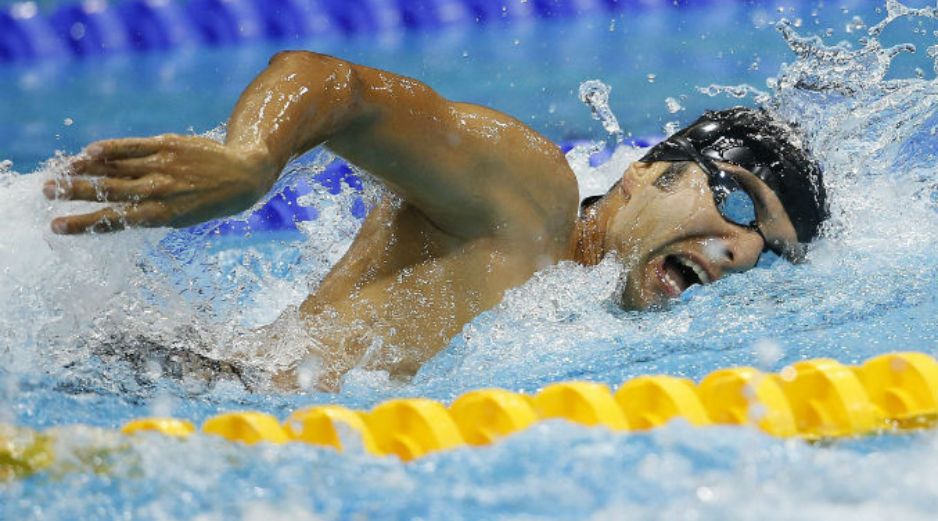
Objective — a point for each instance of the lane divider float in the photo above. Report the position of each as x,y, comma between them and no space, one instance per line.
811,399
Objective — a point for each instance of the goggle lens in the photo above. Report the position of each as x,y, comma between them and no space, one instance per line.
733,202
735,206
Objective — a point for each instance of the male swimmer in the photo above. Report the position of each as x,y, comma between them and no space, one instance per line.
481,203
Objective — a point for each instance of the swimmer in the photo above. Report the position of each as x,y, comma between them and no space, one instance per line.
480,203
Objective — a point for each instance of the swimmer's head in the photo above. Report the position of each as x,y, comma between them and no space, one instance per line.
751,139
708,201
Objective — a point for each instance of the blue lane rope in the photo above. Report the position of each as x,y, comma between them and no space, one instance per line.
88,28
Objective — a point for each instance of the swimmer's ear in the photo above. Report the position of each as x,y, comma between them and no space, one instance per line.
641,173
635,176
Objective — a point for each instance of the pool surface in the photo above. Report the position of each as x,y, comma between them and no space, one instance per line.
67,305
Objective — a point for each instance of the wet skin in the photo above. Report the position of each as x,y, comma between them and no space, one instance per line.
481,202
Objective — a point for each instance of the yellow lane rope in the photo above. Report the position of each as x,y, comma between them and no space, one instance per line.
811,399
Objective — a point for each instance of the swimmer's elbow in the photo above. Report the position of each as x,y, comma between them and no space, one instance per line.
318,67
337,81
293,56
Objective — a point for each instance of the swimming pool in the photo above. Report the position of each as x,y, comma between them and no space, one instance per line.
870,288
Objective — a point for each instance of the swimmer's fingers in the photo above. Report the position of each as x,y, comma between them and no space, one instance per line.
110,219
125,168
106,220
131,147
106,189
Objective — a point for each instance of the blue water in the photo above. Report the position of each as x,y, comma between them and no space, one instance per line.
871,286
511,67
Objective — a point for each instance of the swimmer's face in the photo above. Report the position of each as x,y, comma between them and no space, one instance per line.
670,236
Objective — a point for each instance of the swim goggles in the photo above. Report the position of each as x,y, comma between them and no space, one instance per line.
746,138
734,203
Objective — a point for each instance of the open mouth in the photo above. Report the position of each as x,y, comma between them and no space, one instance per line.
677,273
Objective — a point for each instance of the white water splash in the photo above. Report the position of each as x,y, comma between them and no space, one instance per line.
595,94
62,298
736,91
896,10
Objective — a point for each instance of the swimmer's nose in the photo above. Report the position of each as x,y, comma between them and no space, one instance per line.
738,253
719,252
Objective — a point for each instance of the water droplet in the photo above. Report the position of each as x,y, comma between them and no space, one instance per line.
596,96
308,372
856,24
673,105
768,352
162,405
153,370
705,494
24,10
77,31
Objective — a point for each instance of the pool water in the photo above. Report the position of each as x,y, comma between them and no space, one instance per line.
871,285
647,56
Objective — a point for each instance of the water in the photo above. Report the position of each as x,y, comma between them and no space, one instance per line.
871,286
531,70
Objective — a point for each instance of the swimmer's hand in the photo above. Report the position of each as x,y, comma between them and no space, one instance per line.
167,180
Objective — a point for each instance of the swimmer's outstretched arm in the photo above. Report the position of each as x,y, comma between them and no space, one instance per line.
471,170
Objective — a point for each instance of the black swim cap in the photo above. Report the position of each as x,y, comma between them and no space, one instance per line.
752,139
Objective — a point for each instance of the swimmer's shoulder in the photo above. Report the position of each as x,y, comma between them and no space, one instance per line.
473,171
532,169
